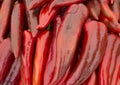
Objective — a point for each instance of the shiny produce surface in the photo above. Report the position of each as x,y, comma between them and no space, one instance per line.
59,42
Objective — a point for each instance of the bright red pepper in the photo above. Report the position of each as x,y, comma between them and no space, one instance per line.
107,66
32,17
6,59
14,73
50,64
94,8
67,39
50,10
27,56
46,15
17,28
41,54
112,1
92,80
5,11
94,45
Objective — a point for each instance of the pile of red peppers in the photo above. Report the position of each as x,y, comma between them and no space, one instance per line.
59,42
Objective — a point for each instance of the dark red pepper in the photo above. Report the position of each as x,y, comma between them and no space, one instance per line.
17,28
108,63
6,59
32,17
41,54
50,64
92,80
27,57
14,73
94,45
67,39
5,11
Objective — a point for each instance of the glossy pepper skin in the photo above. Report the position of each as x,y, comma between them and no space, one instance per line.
32,17
26,60
92,80
94,45
108,63
50,10
14,73
41,54
17,28
6,59
67,39
50,64
5,11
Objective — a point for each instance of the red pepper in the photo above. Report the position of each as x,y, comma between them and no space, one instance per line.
37,3
115,8
32,17
27,56
14,74
94,8
5,17
50,10
17,28
41,53
94,45
116,68
92,80
105,73
50,64
57,3
112,1
6,59
106,11
46,15
118,82
67,39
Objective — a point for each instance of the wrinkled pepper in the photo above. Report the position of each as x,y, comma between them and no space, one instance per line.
108,63
94,45
67,39
14,73
17,28
6,59
94,8
50,64
92,80
40,58
32,17
50,10
5,11
27,56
